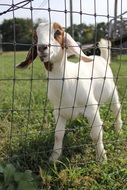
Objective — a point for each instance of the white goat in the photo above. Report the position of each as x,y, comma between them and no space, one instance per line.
76,88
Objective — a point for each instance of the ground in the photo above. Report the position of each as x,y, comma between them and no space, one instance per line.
27,132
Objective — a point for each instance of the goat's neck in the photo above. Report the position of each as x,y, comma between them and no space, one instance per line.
58,68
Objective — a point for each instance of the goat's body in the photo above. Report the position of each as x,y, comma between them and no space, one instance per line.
80,88
81,81
77,88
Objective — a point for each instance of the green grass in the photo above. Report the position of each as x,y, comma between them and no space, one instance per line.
27,132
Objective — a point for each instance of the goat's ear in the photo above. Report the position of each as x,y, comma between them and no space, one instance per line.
32,54
74,48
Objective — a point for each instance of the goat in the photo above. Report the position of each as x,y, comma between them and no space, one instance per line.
76,88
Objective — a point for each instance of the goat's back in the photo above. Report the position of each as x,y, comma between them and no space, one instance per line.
78,82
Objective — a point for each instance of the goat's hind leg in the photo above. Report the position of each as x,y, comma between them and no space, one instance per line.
116,108
93,116
59,135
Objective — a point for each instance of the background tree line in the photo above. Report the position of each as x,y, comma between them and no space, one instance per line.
17,33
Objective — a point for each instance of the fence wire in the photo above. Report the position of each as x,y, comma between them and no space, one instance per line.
27,122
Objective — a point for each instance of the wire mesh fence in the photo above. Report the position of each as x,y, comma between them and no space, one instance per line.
27,123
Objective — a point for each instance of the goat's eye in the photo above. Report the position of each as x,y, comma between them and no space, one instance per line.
57,33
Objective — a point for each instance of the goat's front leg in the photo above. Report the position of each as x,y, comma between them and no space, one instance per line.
59,135
93,115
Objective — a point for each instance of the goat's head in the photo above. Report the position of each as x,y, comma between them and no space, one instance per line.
50,42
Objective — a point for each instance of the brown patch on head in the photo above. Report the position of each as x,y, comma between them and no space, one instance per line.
59,33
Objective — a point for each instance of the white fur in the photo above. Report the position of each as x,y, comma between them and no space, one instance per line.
105,48
77,88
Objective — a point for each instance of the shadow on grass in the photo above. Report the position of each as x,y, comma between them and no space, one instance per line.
32,153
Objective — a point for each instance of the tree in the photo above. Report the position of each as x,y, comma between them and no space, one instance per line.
16,33
86,33
102,30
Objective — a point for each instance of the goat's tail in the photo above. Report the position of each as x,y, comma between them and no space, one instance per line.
105,48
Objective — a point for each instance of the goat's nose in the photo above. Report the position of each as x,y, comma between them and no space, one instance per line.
42,47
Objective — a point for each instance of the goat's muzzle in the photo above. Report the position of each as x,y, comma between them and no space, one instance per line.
42,48
43,56
43,52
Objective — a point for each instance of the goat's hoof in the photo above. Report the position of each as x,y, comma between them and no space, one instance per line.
119,130
54,156
118,127
102,158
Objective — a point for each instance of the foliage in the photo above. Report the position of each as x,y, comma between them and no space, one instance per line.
101,30
10,179
22,28
92,176
88,33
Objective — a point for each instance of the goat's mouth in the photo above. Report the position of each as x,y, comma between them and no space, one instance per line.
44,57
